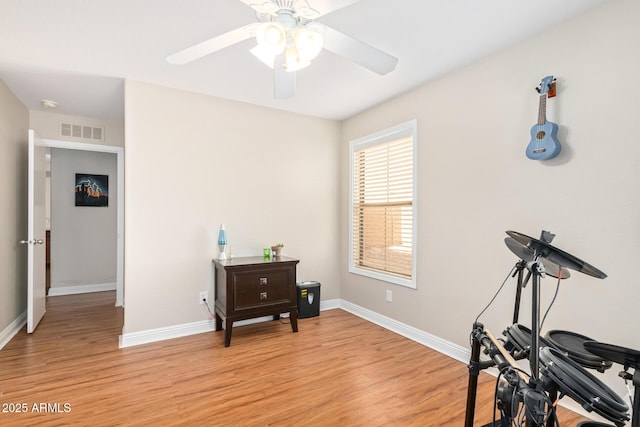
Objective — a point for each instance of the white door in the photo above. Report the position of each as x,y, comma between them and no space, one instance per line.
36,233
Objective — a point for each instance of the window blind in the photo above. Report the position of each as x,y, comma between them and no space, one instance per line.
383,207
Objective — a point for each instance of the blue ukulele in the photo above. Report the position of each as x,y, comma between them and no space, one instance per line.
544,144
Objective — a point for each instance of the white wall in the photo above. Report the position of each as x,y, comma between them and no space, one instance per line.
194,162
83,239
475,183
14,121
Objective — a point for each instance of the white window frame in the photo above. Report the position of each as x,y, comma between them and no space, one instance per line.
409,128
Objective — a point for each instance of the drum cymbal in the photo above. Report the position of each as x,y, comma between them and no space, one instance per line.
624,356
556,255
526,254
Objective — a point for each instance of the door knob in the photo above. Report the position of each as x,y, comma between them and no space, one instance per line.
35,242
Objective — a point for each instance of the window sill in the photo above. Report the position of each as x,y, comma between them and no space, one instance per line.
385,277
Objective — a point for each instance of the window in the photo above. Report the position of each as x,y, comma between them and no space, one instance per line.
383,205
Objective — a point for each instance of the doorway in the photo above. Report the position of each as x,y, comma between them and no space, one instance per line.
119,226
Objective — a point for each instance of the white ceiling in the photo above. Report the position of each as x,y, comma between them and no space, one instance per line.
78,52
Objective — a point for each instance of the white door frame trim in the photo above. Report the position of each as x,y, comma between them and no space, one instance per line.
119,152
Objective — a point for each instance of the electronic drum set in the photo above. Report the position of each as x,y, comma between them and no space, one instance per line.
559,361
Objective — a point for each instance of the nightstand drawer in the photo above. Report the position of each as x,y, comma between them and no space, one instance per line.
258,288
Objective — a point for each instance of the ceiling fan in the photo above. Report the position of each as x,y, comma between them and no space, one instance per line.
288,39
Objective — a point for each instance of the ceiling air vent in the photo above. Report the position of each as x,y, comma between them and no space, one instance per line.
74,130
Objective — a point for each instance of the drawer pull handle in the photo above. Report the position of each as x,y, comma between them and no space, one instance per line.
263,295
263,280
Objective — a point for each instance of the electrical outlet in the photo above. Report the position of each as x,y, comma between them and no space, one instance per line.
204,296
389,295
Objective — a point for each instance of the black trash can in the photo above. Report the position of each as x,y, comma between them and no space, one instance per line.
308,299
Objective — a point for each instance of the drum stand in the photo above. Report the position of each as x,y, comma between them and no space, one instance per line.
534,400
534,254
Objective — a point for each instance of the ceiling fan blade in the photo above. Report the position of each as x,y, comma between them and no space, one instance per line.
328,6
207,47
358,52
261,6
284,83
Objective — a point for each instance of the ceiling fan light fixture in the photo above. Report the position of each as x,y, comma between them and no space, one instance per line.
272,36
293,61
308,43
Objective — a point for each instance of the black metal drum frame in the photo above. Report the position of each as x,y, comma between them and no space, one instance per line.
552,369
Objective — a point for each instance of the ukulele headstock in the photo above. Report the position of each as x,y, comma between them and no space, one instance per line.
547,87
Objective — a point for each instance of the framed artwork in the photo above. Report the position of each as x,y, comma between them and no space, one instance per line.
92,190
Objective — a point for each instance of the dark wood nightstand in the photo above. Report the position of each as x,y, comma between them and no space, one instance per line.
250,287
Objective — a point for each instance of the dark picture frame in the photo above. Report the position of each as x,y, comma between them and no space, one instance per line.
92,190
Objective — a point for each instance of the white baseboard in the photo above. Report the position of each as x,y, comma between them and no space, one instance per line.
450,349
330,304
81,289
445,347
324,305
177,331
14,327
170,332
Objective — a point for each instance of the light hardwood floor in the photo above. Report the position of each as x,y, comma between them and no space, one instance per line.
339,370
